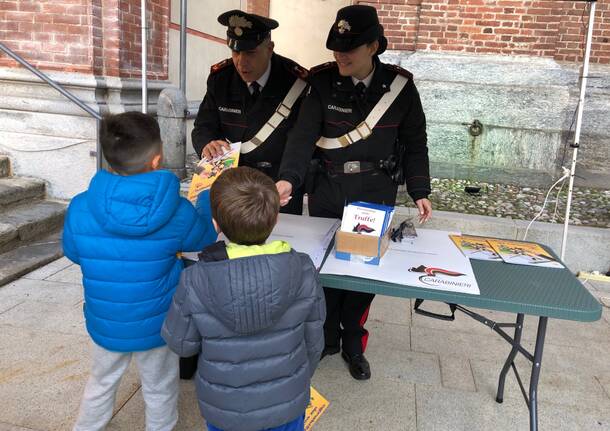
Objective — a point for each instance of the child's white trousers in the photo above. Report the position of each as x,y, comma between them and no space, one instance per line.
158,369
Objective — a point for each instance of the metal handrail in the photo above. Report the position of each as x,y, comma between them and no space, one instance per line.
64,92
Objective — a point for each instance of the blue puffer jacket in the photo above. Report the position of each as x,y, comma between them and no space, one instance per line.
125,232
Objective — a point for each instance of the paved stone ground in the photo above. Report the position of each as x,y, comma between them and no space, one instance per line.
427,374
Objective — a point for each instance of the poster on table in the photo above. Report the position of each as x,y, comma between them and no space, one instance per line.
430,260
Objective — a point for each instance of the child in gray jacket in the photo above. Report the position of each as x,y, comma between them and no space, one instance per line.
253,311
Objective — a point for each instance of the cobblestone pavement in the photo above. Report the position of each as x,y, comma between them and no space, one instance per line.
590,207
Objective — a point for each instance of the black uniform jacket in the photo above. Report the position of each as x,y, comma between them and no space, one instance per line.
331,109
227,111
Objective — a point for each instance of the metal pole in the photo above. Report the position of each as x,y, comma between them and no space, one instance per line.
533,392
183,8
144,51
575,145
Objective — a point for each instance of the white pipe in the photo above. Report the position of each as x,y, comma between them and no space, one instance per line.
581,106
144,51
183,9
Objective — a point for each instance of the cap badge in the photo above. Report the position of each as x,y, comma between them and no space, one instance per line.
343,26
237,22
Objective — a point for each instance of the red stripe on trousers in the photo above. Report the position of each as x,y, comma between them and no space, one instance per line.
365,337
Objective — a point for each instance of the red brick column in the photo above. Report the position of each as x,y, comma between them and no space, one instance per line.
259,7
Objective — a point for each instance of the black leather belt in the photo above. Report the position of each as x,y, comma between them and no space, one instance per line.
351,167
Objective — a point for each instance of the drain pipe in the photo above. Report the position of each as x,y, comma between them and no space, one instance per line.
144,51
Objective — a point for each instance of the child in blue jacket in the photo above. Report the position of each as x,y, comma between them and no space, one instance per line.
125,232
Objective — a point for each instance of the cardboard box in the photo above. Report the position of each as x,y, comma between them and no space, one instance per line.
363,248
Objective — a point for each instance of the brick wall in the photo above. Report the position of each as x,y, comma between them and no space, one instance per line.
555,29
50,34
88,36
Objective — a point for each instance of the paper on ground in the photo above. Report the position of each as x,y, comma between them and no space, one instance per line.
317,406
430,260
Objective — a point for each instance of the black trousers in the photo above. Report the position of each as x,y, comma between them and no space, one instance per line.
346,314
347,311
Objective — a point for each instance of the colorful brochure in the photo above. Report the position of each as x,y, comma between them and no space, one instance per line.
207,171
523,253
366,218
317,406
475,247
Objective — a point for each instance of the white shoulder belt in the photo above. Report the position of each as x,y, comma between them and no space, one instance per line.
281,112
365,129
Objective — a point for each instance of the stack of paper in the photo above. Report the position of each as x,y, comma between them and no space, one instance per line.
475,247
523,253
509,251
310,235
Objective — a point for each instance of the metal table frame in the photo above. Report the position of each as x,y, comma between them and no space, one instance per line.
531,398
504,287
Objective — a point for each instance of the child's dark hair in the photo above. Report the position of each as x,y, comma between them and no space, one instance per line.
129,141
245,204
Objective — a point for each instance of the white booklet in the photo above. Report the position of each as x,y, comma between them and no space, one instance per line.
309,235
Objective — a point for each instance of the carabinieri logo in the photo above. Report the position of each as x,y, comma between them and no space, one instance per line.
432,276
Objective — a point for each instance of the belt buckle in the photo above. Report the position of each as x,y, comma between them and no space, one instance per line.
351,167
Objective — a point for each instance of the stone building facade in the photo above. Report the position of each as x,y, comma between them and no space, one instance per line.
512,65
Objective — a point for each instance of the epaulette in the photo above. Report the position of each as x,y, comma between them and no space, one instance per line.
221,65
398,70
321,67
299,71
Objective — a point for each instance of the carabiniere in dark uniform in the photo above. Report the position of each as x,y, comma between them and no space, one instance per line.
368,165
229,112
370,169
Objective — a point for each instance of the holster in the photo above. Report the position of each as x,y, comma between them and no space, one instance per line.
397,172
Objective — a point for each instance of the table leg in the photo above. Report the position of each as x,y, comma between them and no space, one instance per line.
533,392
510,359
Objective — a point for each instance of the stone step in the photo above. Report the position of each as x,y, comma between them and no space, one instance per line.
17,189
28,257
5,167
29,221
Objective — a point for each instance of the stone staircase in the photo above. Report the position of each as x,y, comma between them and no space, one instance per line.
30,225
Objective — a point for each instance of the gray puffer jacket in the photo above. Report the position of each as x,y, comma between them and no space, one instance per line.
257,324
